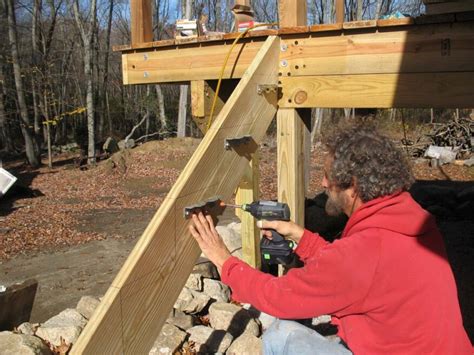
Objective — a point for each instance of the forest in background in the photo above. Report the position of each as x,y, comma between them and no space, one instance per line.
59,77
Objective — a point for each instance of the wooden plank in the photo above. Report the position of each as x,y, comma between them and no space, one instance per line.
158,266
141,22
292,13
339,11
202,97
248,192
418,90
290,160
449,7
293,30
406,21
199,62
359,24
292,149
429,48
431,19
326,27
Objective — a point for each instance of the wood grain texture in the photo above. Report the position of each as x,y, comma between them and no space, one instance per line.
200,62
449,7
248,192
141,22
130,317
291,161
429,48
339,11
418,90
292,13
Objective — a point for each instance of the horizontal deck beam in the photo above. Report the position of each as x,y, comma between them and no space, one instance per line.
401,64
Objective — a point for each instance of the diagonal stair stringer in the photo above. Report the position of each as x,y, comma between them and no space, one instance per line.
135,307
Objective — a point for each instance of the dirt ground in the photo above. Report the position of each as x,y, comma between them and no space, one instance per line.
73,229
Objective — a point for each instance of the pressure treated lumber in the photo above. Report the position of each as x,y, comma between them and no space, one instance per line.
130,316
293,148
417,90
248,192
292,126
141,21
394,49
199,62
202,96
429,48
449,7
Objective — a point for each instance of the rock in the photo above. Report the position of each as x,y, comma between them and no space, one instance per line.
206,269
444,155
27,328
129,144
191,301
233,319
208,340
22,344
181,320
469,162
67,325
216,290
87,305
110,146
232,240
194,282
246,344
16,303
169,340
264,319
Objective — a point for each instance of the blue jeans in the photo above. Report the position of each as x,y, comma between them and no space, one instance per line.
286,337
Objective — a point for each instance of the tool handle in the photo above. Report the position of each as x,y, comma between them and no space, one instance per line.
276,237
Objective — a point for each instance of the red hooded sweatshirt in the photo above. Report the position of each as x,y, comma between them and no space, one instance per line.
387,283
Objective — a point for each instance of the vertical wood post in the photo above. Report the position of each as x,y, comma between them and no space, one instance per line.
247,192
339,11
293,133
141,21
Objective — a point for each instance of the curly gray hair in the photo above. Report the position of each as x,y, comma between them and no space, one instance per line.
362,155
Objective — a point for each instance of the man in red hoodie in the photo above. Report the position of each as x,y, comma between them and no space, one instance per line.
386,282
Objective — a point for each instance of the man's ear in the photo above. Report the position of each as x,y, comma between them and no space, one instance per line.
354,188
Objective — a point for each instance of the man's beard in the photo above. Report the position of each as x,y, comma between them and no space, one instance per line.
334,204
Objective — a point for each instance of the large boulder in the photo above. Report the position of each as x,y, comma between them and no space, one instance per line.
190,301
208,340
169,340
233,319
66,325
22,344
87,305
216,290
246,344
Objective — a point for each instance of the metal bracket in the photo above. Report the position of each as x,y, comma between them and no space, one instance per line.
230,143
202,206
266,88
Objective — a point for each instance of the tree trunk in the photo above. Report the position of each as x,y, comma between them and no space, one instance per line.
4,134
31,146
87,36
183,92
161,108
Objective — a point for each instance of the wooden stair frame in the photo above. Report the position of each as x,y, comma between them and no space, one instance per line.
135,307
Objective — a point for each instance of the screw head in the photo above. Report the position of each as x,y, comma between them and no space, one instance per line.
284,63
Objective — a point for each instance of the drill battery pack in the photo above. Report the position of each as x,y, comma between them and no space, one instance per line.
276,253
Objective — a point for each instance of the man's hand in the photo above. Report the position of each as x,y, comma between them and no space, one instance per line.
287,229
209,240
